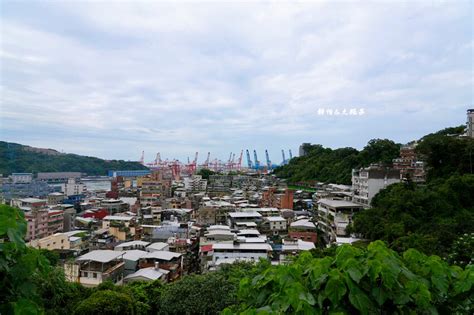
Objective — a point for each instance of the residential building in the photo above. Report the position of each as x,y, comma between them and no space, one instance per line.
244,216
55,198
55,221
148,274
195,183
272,197
56,241
127,246
304,230
334,215
114,206
274,225
409,165
229,253
367,182
96,267
73,186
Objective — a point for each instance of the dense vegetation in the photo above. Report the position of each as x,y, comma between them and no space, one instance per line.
347,280
335,166
372,281
16,158
429,217
446,154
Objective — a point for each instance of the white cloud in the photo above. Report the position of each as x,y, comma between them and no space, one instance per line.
180,77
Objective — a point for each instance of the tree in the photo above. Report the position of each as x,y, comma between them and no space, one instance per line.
205,173
19,265
375,280
428,218
105,302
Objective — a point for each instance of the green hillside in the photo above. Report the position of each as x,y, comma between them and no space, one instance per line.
335,166
444,152
17,158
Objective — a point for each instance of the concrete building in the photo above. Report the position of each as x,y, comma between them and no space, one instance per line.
334,215
73,187
95,267
274,225
470,123
55,198
367,182
274,198
58,177
21,178
114,206
229,253
244,216
409,165
195,183
55,221
129,173
304,230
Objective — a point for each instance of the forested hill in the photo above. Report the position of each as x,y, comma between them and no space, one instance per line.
17,158
444,152
335,166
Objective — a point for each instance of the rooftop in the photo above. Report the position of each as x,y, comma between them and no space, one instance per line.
245,214
132,243
162,255
242,246
148,273
157,246
339,203
102,256
118,218
134,254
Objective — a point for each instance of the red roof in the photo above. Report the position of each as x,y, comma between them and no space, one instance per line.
206,248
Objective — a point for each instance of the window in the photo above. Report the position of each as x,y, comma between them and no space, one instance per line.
94,275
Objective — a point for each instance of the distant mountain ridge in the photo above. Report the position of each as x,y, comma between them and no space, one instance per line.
18,158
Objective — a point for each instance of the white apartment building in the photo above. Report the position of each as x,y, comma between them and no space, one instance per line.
73,187
367,182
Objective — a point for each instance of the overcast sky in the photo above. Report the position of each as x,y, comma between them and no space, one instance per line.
111,78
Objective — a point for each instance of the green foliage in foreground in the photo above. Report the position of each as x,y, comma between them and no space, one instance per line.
335,166
428,218
15,158
372,281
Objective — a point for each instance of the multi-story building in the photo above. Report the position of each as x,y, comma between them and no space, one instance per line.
334,216
409,165
304,230
37,224
55,221
21,178
73,187
114,205
214,212
56,241
470,123
96,267
55,198
195,183
367,182
272,197
274,225
58,177
229,253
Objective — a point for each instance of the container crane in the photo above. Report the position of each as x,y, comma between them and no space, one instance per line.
249,161
269,163
283,156
257,162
